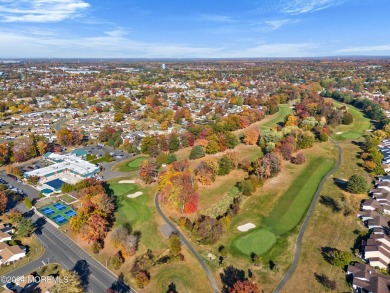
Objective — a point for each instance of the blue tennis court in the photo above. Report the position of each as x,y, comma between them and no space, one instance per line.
47,211
59,206
70,213
60,219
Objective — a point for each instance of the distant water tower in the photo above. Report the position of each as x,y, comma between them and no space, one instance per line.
163,66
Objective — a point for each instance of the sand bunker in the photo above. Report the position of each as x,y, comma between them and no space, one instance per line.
246,227
339,133
126,181
134,195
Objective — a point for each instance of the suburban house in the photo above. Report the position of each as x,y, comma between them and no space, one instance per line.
5,232
366,279
10,253
377,250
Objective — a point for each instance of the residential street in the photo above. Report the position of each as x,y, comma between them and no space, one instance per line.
63,250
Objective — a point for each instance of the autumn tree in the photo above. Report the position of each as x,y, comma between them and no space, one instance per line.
67,137
95,228
245,286
176,186
148,170
72,284
206,172
251,136
14,216
207,230
142,279
117,260
4,153
268,166
23,149
41,146
3,202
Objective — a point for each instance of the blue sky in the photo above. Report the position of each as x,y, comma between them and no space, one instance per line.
193,28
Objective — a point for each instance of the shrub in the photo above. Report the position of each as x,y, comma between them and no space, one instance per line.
325,281
347,119
357,184
196,153
299,159
117,260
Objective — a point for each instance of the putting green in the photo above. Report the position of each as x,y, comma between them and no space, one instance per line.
130,210
259,241
355,130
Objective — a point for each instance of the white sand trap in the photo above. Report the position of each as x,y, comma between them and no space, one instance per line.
134,195
339,133
246,227
126,181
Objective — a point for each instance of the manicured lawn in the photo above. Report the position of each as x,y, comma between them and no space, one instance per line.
331,229
356,129
67,198
35,250
130,210
257,241
130,165
286,213
289,210
279,117
269,121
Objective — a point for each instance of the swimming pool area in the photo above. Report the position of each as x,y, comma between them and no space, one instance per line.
58,212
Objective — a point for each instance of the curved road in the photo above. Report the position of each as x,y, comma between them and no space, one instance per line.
297,253
209,274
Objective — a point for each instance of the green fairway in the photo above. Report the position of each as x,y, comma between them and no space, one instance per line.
130,165
288,211
279,117
291,207
257,241
130,210
356,129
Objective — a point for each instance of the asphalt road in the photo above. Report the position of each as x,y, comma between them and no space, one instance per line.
297,252
209,274
61,249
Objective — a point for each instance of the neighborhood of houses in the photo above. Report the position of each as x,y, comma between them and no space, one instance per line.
8,253
375,213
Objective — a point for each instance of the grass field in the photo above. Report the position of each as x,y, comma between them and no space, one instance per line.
258,241
269,121
130,210
356,129
288,211
67,198
130,165
187,277
328,228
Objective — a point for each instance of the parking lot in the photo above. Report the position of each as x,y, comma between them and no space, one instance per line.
100,151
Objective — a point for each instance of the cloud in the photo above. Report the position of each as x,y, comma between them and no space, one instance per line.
216,18
366,49
40,11
111,44
295,7
278,23
280,50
